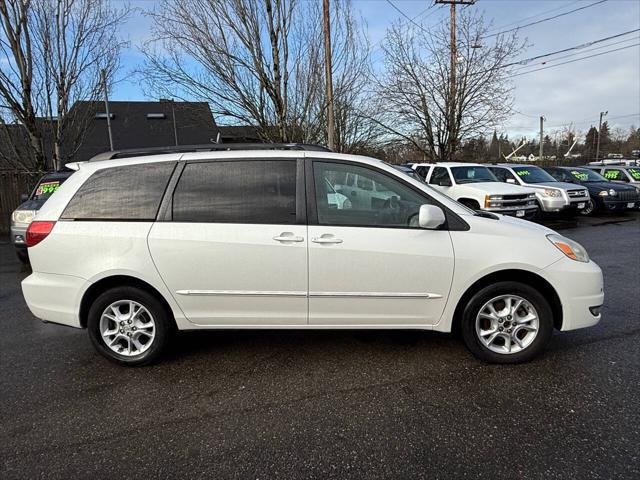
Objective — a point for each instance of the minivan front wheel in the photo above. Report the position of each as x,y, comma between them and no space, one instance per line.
508,322
128,326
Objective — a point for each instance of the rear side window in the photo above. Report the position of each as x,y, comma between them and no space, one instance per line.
251,191
130,192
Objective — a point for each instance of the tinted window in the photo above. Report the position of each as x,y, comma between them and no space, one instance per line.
440,176
251,191
131,192
635,173
423,171
391,204
472,175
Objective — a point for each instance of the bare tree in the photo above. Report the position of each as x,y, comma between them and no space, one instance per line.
18,71
260,63
54,51
415,92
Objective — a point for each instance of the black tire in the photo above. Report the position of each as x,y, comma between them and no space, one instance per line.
22,255
163,320
589,209
533,296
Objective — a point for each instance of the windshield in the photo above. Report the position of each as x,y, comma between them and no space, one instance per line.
533,175
586,175
472,175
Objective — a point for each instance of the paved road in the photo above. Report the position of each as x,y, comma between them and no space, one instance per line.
329,405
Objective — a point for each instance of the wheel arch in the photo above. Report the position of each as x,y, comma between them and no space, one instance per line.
513,275
112,281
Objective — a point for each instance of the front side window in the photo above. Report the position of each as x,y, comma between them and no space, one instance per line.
129,192
240,191
440,177
423,172
463,175
389,204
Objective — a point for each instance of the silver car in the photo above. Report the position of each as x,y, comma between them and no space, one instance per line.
552,196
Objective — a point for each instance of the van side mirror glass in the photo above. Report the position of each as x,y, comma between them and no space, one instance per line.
430,217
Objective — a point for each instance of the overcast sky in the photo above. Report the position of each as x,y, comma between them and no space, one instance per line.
575,92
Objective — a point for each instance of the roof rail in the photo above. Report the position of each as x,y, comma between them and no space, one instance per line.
207,147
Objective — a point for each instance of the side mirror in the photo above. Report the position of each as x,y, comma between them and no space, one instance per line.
24,197
511,180
430,217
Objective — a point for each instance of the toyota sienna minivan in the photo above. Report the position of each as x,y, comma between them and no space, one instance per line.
134,246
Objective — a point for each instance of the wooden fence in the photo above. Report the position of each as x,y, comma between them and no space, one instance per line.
12,185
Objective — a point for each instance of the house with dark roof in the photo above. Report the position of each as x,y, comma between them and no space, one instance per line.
134,124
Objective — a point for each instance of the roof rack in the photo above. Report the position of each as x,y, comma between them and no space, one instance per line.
207,147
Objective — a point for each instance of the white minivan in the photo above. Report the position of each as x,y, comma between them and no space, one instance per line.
136,246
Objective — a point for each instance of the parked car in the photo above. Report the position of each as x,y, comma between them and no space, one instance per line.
605,195
619,174
133,248
22,216
476,187
552,196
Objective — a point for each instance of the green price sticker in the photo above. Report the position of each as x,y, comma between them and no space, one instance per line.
47,188
579,175
635,173
612,174
523,173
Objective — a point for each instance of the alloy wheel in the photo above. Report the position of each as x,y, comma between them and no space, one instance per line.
127,328
507,324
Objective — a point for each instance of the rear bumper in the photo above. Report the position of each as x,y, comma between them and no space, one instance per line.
580,287
54,298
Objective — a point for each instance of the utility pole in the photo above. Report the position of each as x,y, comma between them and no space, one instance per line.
106,107
326,14
541,137
452,70
602,114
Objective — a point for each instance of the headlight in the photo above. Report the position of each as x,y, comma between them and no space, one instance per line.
603,193
612,192
549,192
571,249
22,216
495,197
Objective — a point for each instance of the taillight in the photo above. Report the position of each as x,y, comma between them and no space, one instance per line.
38,231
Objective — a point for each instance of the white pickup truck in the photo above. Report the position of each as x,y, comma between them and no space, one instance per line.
473,185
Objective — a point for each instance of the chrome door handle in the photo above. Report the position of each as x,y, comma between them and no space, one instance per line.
326,239
288,237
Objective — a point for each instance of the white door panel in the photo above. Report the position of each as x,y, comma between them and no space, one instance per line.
378,276
234,274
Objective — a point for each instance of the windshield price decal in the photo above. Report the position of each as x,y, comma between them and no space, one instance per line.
47,187
579,175
612,174
523,173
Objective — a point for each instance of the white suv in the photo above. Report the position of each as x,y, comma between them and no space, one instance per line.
134,248
473,185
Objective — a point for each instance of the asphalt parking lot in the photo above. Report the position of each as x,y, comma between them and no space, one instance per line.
329,404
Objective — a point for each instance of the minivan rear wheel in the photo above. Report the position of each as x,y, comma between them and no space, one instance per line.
128,326
508,322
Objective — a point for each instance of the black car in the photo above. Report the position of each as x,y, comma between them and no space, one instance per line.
605,195
24,213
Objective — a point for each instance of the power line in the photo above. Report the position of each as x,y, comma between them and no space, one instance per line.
545,19
576,60
406,16
537,15
632,39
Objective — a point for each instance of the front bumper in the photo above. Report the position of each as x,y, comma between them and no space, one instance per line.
529,212
54,298
618,205
18,233
552,204
580,287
